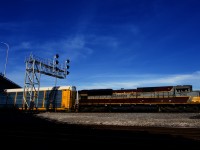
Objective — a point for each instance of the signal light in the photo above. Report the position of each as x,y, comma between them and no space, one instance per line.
56,62
67,61
56,56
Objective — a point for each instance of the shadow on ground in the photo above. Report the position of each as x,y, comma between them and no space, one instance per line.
26,131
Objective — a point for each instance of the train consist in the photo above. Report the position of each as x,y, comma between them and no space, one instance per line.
180,98
160,99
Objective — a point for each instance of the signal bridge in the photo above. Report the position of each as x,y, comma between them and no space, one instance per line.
35,66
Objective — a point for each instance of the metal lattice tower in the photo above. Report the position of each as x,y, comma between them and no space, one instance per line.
36,66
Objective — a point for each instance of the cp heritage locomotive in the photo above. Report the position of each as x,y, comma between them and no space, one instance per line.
180,98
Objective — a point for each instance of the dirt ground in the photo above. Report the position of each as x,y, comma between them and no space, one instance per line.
96,130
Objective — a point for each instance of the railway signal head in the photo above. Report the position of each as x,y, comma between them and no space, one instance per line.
67,66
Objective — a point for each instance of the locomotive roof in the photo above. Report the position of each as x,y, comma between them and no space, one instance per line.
154,89
43,88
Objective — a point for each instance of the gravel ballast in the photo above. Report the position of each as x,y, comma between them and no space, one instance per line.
169,120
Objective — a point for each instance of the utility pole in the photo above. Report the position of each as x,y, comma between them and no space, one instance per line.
6,57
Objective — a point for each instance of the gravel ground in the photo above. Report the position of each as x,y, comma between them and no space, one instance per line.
184,125
168,120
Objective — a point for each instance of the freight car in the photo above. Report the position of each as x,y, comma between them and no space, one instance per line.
61,98
159,99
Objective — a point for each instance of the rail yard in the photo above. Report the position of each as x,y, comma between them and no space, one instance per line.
62,117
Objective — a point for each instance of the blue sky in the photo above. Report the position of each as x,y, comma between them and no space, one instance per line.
110,43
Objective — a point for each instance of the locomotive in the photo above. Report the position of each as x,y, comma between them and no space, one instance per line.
160,99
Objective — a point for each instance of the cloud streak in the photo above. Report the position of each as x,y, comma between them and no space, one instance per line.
128,81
